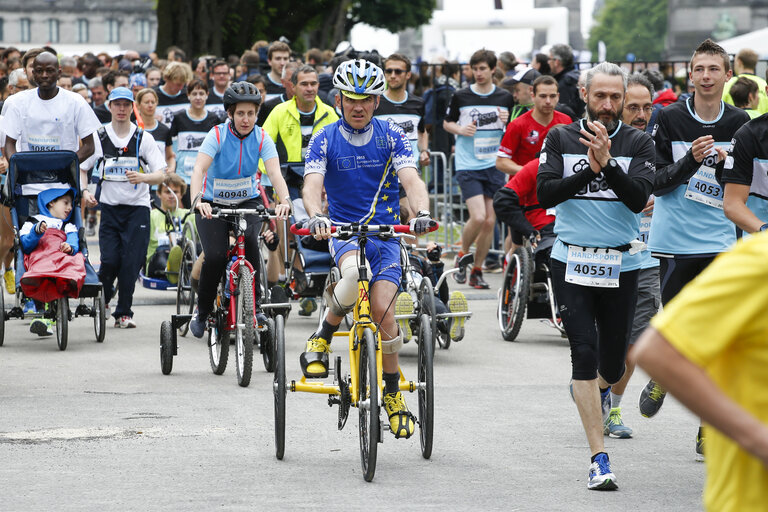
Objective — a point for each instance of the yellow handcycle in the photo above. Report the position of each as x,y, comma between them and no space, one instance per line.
361,387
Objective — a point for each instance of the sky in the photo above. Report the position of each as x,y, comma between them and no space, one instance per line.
518,41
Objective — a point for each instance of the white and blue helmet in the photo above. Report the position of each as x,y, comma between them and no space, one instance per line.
358,79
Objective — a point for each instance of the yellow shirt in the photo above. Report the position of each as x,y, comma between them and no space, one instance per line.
720,322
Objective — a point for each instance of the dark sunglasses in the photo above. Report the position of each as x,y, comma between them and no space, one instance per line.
389,71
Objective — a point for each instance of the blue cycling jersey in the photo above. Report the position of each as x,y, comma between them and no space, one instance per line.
360,169
234,175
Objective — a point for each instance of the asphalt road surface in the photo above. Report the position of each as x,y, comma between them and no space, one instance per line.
98,427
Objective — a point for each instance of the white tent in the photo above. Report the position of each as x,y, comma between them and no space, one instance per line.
757,40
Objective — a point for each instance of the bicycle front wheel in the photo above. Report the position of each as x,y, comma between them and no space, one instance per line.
279,387
426,389
244,336
368,404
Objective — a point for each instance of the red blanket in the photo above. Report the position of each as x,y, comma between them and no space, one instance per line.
50,273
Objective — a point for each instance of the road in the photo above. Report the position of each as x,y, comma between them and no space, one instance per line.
98,427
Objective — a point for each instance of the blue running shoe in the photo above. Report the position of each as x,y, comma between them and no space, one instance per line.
601,478
197,326
29,307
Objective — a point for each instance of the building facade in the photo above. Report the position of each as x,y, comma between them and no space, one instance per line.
88,25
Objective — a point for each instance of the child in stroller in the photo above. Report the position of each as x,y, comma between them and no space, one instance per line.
50,243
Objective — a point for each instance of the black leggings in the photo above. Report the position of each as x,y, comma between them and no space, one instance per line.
598,322
214,236
675,273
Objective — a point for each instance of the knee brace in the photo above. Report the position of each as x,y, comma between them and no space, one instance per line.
392,346
341,298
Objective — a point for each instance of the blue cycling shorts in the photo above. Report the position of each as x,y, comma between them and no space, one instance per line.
383,256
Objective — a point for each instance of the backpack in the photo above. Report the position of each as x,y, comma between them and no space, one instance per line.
436,103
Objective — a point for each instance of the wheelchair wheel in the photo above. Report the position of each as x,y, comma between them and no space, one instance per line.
166,347
99,317
279,387
185,295
245,337
513,296
426,388
2,319
218,345
368,404
267,346
62,322
427,301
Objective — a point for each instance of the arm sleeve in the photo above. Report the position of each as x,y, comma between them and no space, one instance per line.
506,203
317,155
452,115
422,113
634,186
174,127
402,154
268,150
28,237
669,174
738,165
87,122
509,142
10,122
74,241
551,188
210,146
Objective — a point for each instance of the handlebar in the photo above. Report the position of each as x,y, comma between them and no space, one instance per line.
265,213
363,229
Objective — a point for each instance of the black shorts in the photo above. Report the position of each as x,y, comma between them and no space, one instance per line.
677,272
598,322
484,182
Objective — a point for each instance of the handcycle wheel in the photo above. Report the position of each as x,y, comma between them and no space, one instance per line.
267,346
99,317
513,296
166,347
218,345
62,322
244,337
368,404
427,300
279,387
426,390
185,295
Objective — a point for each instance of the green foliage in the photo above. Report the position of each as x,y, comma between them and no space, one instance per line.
631,26
393,15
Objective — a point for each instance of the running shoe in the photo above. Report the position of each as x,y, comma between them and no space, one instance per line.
457,303
401,422
126,322
651,399
173,264
404,306
90,229
29,307
700,445
476,280
492,266
197,325
614,426
460,276
10,281
314,360
601,478
307,306
42,326
605,403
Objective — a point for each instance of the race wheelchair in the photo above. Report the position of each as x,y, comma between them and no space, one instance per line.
30,173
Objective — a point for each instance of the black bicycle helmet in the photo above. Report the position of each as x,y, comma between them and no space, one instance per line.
241,92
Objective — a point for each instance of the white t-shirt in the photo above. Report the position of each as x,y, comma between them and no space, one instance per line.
48,125
122,192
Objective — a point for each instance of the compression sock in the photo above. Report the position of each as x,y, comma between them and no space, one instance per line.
391,383
326,331
616,400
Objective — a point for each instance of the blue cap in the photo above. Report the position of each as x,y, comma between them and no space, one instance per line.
120,93
137,80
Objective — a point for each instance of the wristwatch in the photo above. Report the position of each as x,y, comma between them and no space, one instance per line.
763,227
612,163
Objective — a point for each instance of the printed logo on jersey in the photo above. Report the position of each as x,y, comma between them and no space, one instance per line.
655,129
381,142
190,141
533,137
483,118
346,163
597,188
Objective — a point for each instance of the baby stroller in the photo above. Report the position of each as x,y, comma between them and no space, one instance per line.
29,174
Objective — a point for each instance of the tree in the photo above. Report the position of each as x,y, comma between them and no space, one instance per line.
629,26
222,27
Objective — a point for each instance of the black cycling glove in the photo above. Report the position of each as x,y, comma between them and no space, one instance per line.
421,223
317,222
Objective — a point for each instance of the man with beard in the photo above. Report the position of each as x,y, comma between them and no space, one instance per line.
689,227
598,174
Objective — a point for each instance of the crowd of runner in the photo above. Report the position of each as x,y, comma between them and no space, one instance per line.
643,181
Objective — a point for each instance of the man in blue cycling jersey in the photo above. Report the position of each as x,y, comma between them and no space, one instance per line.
360,161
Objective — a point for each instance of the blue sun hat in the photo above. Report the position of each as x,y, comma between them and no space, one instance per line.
120,93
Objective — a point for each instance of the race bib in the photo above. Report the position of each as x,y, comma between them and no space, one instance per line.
645,228
551,211
115,168
44,142
486,147
593,267
704,188
233,191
